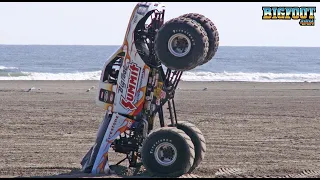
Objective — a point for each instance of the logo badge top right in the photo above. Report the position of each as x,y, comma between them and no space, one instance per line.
306,15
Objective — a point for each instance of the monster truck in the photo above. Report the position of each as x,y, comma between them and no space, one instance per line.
134,86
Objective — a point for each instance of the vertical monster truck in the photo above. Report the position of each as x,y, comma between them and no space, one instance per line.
134,87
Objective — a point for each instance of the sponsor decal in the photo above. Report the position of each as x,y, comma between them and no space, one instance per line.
111,97
128,101
123,77
113,127
135,19
105,96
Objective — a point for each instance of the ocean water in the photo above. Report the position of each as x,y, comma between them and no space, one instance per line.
259,64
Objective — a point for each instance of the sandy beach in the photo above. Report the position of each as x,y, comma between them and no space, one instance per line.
251,129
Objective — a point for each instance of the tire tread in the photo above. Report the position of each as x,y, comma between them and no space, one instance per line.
211,31
200,30
183,135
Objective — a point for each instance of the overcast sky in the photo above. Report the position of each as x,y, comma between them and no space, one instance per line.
104,23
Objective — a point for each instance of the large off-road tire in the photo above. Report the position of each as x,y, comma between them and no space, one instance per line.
181,44
211,31
197,139
168,152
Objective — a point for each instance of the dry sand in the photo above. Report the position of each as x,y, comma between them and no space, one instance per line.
251,129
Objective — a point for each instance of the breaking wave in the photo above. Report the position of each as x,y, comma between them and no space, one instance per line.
254,77
2,68
95,75
187,76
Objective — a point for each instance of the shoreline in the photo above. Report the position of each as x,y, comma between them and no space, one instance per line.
54,85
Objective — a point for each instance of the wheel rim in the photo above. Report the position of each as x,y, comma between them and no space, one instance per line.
165,154
179,45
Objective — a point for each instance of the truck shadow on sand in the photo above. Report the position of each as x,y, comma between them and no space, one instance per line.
121,172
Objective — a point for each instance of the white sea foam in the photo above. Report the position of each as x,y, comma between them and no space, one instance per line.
55,76
255,77
187,76
4,67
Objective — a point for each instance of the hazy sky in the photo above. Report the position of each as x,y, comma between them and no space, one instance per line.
105,23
